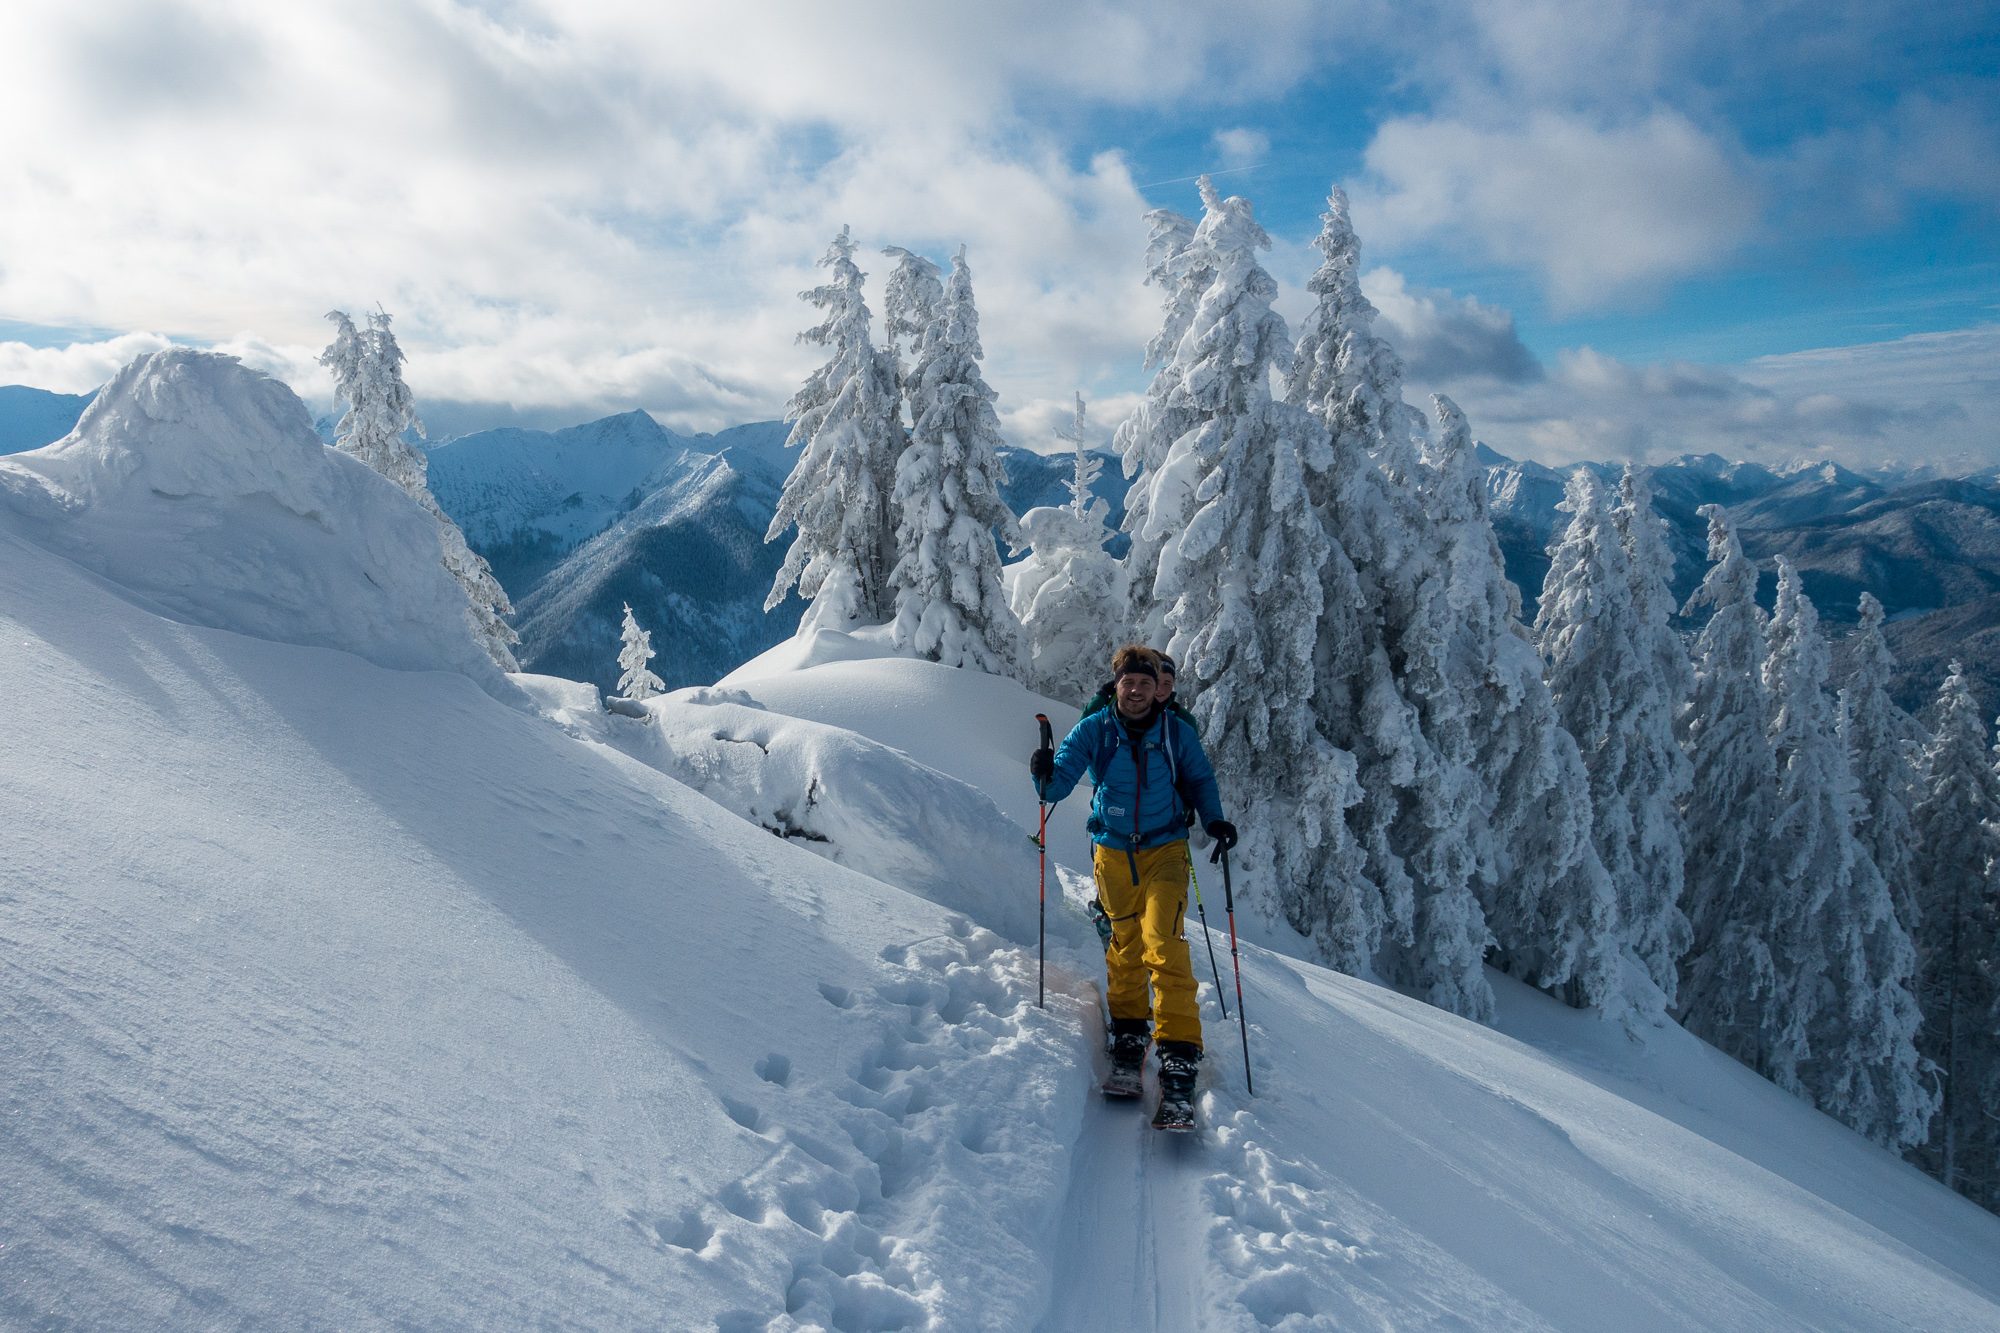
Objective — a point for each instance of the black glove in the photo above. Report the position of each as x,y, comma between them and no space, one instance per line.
1224,834
1043,766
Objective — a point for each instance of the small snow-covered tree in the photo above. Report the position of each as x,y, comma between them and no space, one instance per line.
1657,776
847,423
1070,592
1956,825
1847,964
367,368
638,682
1729,983
951,603
1143,439
1240,580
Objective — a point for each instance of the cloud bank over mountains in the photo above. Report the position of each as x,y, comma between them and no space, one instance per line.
579,209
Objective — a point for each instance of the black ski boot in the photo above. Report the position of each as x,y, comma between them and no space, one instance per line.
1178,1062
1128,1065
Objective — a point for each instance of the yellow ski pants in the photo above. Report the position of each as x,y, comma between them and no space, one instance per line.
1146,938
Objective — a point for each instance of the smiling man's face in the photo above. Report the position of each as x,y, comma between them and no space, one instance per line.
1136,692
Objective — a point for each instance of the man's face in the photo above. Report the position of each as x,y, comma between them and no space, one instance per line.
1136,692
1166,690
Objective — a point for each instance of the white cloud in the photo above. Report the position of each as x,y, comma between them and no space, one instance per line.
77,367
600,205
1444,339
1033,424
1603,212
1928,398
1242,147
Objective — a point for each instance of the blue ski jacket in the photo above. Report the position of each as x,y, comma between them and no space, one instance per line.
1143,792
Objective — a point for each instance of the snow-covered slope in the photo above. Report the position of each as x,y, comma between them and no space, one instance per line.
199,486
374,1002
1401,1168
337,997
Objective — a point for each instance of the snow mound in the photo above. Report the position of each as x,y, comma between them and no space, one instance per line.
976,727
854,801
199,486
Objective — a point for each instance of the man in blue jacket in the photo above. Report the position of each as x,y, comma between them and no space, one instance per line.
1150,772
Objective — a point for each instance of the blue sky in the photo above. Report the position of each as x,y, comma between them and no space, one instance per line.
1605,228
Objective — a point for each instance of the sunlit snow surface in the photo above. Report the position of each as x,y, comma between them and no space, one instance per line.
334,996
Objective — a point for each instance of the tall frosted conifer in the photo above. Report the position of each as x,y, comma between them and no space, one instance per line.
1957,831
1657,776
1069,589
1729,983
1143,439
951,603
1548,904
1883,743
847,423
1241,580
1846,970
1606,693
367,368
1874,1024
1413,802
1474,807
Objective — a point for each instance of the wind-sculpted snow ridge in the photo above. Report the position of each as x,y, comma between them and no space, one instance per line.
312,1039
835,793
200,486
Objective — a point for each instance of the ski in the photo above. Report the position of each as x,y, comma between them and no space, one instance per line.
1124,1082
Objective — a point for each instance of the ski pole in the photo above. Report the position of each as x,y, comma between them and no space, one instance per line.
1042,902
1207,939
1243,1019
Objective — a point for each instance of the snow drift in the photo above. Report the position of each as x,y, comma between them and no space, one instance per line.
199,486
832,791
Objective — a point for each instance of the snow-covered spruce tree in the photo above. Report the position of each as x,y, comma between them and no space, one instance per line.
1729,985
1657,776
1956,826
1880,740
1069,593
638,682
847,421
951,603
1607,697
1241,580
367,368
1143,439
1850,971
1380,542
1883,743
1549,907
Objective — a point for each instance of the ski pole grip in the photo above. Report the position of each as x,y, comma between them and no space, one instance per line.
1048,736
